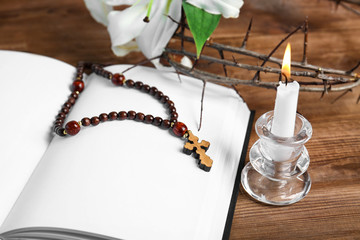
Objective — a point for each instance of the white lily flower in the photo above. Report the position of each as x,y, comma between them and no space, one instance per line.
227,8
128,31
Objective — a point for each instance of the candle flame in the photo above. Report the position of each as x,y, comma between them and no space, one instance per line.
286,65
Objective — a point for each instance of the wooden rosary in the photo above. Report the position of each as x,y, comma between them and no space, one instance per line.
192,146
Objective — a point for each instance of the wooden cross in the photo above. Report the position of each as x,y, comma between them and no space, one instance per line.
199,149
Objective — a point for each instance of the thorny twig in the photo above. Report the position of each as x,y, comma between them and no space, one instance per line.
347,5
313,78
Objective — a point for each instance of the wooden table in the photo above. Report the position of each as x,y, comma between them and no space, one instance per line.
65,30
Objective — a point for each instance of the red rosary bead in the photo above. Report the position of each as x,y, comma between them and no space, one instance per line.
179,129
78,85
118,79
72,128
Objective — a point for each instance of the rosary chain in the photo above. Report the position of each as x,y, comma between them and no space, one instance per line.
118,79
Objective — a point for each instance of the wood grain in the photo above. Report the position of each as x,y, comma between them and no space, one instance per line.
64,30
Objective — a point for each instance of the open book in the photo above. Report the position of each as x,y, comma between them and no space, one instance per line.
120,179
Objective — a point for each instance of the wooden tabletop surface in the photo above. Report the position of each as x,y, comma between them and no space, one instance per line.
64,30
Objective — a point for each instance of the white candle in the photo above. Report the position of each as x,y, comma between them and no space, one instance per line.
283,124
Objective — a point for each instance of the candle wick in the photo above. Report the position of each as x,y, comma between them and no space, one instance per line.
286,78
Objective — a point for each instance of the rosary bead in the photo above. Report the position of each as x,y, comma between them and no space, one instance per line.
59,121
164,99
118,79
131,115
85,121
103,117
74,95
65,110
72,128
145,88
174,115
67,104
56,128
60,132
78,85
138,85
123,115
179,129
165,124
72,100
173,120
61,115
159,95
140,117
153,91
113,115
95,121
169,103
157,121
149,119
172,109
130,83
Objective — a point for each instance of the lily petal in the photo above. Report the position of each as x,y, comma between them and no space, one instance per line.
120,2
122,50
160,29
126,25
98,10
228,8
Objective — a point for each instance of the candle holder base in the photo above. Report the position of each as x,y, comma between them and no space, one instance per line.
274,192
277,171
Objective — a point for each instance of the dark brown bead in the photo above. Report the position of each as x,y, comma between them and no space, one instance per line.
59,121
157,121
172,109
56,128
159,95
78,85
179,129
72,128
174,115
140,117
165,124
95,121
113,115
164,99
118,79
103,117
67,104
153,90
61,115
60,132
149,119
74,95
85,121
169,103
145,88
123,115
138,85
65,110
130,83
173,120
72,100
131,115
60,118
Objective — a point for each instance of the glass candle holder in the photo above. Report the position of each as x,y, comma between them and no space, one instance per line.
277,171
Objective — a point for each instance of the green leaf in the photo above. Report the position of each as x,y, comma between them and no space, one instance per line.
202,24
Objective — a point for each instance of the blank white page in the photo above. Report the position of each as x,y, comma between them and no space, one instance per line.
131,180
32,90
